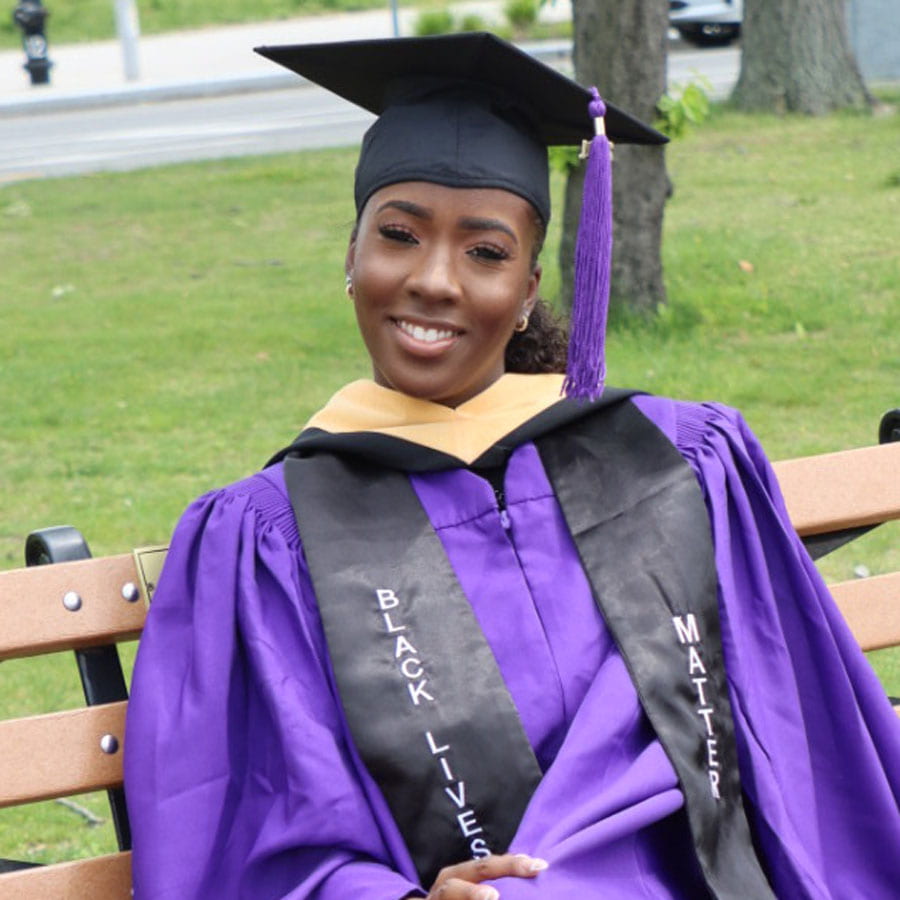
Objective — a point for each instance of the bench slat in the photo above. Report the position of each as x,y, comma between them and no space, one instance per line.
53,755
107,877
33,619
871,607
841,490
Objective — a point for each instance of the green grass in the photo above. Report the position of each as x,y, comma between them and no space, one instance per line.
71,21
165,331
74,21
176,326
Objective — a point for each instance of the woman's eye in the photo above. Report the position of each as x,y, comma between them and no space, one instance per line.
396,233
489,252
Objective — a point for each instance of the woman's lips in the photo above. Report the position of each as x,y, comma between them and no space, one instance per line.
425,339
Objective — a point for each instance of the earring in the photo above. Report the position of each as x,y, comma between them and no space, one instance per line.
348,284
522,323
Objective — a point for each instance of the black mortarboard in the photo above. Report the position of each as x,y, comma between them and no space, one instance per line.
471,110
465,110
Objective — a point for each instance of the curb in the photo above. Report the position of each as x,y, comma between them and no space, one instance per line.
159,92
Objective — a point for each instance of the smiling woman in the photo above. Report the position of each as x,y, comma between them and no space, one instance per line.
467,636
441,278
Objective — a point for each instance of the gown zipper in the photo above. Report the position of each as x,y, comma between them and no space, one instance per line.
500,496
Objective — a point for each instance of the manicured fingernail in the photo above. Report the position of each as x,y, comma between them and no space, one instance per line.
488,893
535,864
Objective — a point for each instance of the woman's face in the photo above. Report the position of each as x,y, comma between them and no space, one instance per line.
439,278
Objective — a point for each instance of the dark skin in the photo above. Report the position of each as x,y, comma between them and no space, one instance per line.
463,881
440,278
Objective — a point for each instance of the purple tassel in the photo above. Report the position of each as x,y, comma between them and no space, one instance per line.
586,368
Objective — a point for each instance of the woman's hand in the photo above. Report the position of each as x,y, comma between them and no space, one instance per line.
463,881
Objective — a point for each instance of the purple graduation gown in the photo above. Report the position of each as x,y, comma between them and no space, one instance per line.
242,781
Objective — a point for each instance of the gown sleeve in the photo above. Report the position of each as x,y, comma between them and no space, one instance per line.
818,741
240,780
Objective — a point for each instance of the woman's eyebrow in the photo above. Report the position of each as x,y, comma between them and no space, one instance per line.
467,223
475,223
420,212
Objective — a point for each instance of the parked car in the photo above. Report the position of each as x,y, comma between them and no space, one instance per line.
707,22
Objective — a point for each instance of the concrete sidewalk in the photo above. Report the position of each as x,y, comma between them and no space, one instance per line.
201,62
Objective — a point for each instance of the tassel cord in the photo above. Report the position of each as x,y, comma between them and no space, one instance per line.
586,369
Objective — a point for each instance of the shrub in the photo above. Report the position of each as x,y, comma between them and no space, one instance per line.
521,14
472,22
435,21
682,106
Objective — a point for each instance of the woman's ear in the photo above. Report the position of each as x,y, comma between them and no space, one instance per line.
534,282
348,264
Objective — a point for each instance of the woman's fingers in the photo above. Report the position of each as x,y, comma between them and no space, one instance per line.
454,889
463,881
498,866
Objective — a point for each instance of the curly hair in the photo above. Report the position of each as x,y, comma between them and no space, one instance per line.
541,347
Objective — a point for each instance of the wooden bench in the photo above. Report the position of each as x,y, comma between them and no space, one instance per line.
89,605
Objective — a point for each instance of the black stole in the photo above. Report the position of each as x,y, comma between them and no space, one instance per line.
424,699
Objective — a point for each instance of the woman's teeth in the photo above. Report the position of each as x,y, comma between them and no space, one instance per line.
428,335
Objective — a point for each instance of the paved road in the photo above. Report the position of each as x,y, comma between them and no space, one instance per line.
133,137
129,137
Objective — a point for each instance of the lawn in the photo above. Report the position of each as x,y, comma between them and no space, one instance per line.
71,21
165,331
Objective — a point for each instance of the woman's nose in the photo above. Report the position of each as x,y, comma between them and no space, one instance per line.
435,276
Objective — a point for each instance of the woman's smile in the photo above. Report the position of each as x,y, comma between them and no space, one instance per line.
426,338
440,277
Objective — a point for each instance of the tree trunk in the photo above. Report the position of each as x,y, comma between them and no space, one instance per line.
620,46
796,57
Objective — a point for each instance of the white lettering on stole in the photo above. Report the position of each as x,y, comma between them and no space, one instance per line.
433,747
695,663
390,627
698,683
417,691
455,791
387,599
468,824
688,633
412,668
409,664
706,712
686,626
460,798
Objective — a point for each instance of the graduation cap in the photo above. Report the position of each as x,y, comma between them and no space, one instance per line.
472,110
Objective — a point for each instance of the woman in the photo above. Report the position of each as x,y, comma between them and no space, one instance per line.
465,639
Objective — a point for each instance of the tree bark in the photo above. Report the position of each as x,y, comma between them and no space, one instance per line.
620,47
796,57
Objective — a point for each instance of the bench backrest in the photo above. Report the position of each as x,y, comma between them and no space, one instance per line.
835,497
90,605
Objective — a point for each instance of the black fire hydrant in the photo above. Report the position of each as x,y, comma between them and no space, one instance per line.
30,16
